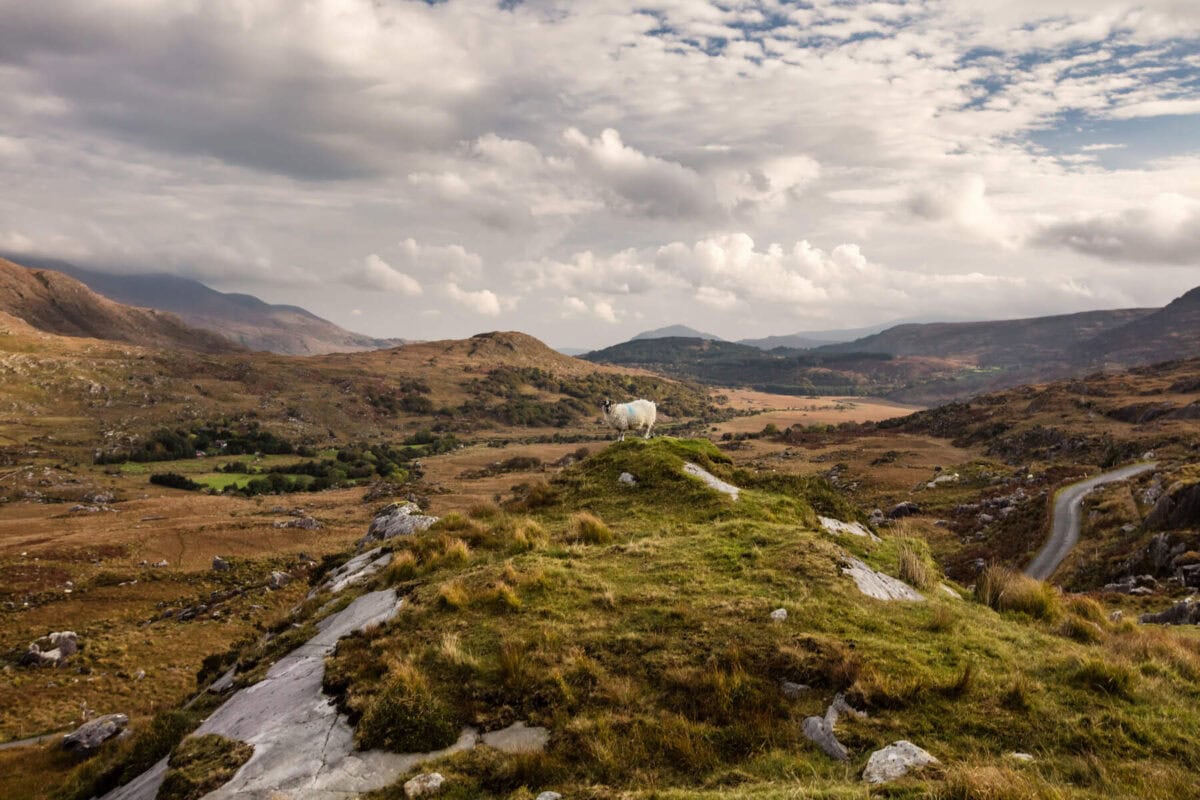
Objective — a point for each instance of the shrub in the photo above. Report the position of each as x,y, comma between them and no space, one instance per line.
590,529
1004,589
173,480
406,717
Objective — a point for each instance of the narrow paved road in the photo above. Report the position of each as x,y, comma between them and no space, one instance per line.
1064,527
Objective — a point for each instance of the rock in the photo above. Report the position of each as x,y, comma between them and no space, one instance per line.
877,517
398,519
895,761
303,523
779,615
793,691
905,509
1116,616
877,585
66,642
549,796
1184,613
710,480
220,565
278,580
160,563
52,650
835,527
819,731
1178,507
355,571
90,735
424,785
1022,757
139,675
1141,591
517,738
627,479
99,498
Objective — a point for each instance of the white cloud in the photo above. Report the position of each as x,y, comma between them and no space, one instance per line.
483,301
376,274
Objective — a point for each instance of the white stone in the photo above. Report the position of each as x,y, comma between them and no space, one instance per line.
517,738
877,585
430,783
627,479
711,481
549,796
836,527
895,761
1023,757
398,519
779,614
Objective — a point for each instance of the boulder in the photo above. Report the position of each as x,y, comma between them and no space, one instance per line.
877,517
220,565
278,580
627,479
878,585
793,691
1178,507
779,615
905,509
895,761
398,519
90,735
549,796
303,523
424,785
819,731
1184,613
66,642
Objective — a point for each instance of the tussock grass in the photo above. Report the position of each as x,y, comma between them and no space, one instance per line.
590,529
914,570
403,567
453,595
1108,677
406,716
1004,589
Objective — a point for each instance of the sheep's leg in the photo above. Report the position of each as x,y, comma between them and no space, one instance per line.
648,427
621,436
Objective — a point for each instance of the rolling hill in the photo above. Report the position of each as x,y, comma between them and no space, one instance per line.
1171,332
676,331
55,303
285,329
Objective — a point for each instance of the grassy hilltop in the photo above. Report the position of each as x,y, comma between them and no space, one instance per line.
634,623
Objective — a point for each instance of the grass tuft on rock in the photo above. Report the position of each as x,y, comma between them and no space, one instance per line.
201,764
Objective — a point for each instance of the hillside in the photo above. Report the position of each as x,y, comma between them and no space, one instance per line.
1035,343
676,331
1169,333
782,370
55,303
245,319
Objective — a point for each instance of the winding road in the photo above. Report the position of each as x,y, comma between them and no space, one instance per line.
1064,527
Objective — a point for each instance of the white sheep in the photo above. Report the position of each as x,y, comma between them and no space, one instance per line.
630,416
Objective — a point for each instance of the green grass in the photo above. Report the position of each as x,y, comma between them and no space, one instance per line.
201,764
649,654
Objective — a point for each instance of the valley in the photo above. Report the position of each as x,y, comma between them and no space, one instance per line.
174,508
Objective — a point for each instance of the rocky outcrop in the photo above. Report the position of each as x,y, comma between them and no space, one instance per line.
398,519
836,527
819,730
51,650
895,761
1178,507
425,785
88,737
1184,613
711,481
905,509
878,585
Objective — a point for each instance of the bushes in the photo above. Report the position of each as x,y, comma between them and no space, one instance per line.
173,480
1004,589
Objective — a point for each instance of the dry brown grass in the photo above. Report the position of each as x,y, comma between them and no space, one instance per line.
1004,589
587,528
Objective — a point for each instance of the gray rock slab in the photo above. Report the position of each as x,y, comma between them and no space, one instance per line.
836,527
302,747
877,585
819,731
90,735
355,571
711,481
398,519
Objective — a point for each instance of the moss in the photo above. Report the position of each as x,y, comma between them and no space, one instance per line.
201,764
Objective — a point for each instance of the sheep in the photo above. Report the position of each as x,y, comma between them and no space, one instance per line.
633,415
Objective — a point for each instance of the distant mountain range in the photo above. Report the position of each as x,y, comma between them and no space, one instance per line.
802,340
931,362
242,318
675,331
56,303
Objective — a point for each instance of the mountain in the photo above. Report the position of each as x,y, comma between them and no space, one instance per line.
1038,341
808,339
1172,332
245,319
55,303
676,331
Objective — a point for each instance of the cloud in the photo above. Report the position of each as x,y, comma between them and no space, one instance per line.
600,309
963,202
483,302
376,274
1164,231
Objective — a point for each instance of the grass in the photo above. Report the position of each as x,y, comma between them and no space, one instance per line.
201,764
651,660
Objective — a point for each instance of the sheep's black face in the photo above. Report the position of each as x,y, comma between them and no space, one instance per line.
607,406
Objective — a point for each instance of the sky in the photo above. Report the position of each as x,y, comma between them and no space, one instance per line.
583,171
